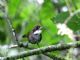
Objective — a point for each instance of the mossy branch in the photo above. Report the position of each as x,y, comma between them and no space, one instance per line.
43,50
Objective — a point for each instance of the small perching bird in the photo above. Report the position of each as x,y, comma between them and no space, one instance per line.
34,36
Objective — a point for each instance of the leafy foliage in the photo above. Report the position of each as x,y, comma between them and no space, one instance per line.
25,14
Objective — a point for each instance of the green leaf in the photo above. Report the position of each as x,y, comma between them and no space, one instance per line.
47,10
60,18
13,6
74,23
49,32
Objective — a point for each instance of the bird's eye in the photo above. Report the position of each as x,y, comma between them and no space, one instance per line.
36,28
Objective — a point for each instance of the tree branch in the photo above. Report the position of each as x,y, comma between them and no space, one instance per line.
53,56
43,50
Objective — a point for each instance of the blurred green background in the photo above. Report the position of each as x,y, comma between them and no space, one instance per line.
25,14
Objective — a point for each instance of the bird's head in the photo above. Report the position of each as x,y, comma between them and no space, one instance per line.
37,29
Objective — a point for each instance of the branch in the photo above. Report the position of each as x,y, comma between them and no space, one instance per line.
9,27
43,50
69,18
53,56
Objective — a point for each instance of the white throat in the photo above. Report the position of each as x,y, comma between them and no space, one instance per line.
38,32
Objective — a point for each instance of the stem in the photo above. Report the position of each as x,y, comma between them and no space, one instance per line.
69,7
69,18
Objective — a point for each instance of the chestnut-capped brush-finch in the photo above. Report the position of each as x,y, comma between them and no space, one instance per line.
34,36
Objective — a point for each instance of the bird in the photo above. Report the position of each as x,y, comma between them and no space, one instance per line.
35,35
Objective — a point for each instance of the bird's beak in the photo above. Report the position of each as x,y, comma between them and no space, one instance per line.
40,28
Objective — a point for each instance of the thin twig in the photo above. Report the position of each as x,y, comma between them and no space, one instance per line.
69,18
69,7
